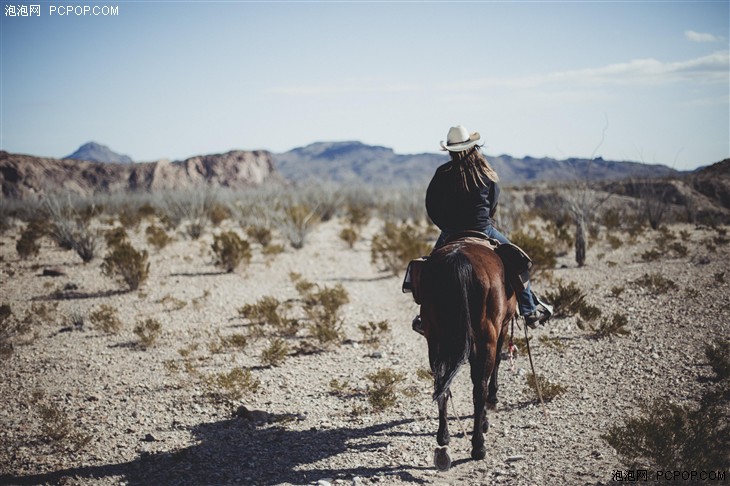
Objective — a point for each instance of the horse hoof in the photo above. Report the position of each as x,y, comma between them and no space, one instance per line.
441,458
479,454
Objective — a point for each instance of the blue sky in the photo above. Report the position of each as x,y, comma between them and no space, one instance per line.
175,79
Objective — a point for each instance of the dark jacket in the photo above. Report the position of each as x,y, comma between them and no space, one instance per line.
452,209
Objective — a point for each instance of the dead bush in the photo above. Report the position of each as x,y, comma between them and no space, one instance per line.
381,391
127,265
567,300
148,331
105,318
230,250
397,245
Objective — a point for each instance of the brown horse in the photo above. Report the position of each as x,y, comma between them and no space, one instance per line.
466,310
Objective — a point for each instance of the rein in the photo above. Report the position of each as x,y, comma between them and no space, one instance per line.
532,365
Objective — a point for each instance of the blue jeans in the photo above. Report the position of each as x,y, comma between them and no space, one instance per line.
526,299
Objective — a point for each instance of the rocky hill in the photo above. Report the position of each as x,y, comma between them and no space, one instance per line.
360,163
24,175
96,152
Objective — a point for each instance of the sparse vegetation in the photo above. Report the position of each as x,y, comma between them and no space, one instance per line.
567,300
540,251
668,436
157,237
57,427
372,331
349,235
230,250
549,389
105,318
127,265
276,353
615,327
232,386
27,245
148,331
381,391
397,245
655,282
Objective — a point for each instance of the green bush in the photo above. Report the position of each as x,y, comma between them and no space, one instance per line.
230,250
127,265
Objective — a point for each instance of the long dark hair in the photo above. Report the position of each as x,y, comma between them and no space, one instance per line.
474,170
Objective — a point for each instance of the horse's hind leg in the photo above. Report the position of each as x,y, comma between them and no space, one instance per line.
479,381
442,436
493,384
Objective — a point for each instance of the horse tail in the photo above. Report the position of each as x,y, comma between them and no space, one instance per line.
450,284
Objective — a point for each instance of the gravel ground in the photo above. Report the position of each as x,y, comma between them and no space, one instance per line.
150,420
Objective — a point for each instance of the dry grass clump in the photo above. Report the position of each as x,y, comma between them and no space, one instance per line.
148,331
230,250
260,234
232,386
276,353
668,437
126,264
549,389
540,251
349,235
68,225
27,245
381,392
655,282
398,244
269,311
296,222
615,327
106,319
567,300
372,332
157,237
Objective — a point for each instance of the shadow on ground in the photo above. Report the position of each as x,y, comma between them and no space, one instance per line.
235,452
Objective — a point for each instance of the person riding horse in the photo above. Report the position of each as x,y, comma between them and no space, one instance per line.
462,196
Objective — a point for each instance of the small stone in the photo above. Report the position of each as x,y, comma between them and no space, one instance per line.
150,438
515,458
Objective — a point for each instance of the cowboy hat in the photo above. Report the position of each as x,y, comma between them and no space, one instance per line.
459,139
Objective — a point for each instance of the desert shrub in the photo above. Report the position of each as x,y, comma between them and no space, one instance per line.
148,331
549,389
567,300
276,353
127,265
235,341
655,282
218,213
614,241
381,392
349,235
297,221
397,245
668,437
424,374
8,328
555,342
719,277
157,237
230,250
115,236
106,319
84,244
372,331
679,249
232,386
272,250
322,307
615,327
191,207
589,312
718,356
260,234
540,251
27,245
129,218
616,291
56,426
651,255
76,319
340,389
357,215
611,219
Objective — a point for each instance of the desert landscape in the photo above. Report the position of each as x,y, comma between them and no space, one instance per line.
260,336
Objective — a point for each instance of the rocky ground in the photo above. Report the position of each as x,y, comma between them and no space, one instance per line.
131,415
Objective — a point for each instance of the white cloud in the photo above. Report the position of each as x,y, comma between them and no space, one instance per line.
340,89
712,68
701,37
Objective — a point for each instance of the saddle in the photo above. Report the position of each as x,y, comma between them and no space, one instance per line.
516,263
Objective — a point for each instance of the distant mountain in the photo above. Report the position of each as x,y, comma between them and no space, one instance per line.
22,176
95,152
359,163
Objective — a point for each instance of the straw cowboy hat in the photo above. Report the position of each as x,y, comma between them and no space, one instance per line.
459,139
